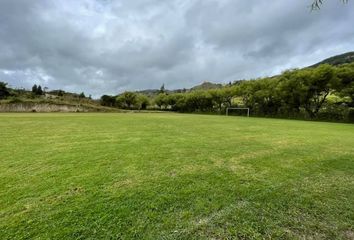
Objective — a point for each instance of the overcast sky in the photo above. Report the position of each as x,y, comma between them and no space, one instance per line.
106,46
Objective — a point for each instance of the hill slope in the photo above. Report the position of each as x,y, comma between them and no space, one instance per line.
338,59
207,86
20,100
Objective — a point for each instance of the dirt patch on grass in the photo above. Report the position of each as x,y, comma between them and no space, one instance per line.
349,234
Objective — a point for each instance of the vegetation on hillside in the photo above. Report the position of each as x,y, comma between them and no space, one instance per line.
39,95
338,60
324,92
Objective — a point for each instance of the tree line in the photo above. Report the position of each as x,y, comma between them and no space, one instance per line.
325,92
36,92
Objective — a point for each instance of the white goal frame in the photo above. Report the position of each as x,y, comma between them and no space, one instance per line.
234,108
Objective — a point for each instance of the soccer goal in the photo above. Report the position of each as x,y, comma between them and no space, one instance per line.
234,109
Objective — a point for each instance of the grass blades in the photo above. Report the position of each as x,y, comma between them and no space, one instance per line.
174,176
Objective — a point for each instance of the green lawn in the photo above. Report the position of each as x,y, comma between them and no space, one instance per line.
174,176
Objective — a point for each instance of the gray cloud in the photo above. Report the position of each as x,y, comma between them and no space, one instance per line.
104,46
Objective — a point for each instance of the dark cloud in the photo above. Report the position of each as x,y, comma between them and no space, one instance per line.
104,46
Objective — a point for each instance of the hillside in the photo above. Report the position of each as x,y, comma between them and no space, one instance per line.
206,86
337,60
20,100
203,86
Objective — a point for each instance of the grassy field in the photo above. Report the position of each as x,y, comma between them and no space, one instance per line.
174,176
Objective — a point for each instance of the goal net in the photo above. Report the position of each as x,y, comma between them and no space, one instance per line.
233,111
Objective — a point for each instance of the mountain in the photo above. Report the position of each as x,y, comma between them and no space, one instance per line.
206,86
337,60
203,86
149,92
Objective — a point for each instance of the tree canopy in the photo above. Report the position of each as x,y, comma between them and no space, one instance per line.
4,92
37,90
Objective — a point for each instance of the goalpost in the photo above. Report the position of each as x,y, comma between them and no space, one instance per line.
235,108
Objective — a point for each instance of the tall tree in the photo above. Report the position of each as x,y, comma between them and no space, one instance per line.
109,101
39,90
127,100
161,100
346,88
162,88
143,101
34,89
4,92
319,85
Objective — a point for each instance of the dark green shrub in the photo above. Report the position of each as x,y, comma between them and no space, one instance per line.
351,115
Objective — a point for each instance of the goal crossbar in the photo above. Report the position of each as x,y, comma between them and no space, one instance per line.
233,108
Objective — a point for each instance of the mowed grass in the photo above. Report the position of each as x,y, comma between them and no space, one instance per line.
174,176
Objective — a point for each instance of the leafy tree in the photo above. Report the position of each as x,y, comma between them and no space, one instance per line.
177,101
200,101
217,98
266,99
289,92
307,88
318,85
127,100
82,95
345,74
143,102
172,100
246,90
222,97
229,93
4,92
161,100
34,89
39,90
162,89
108,101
